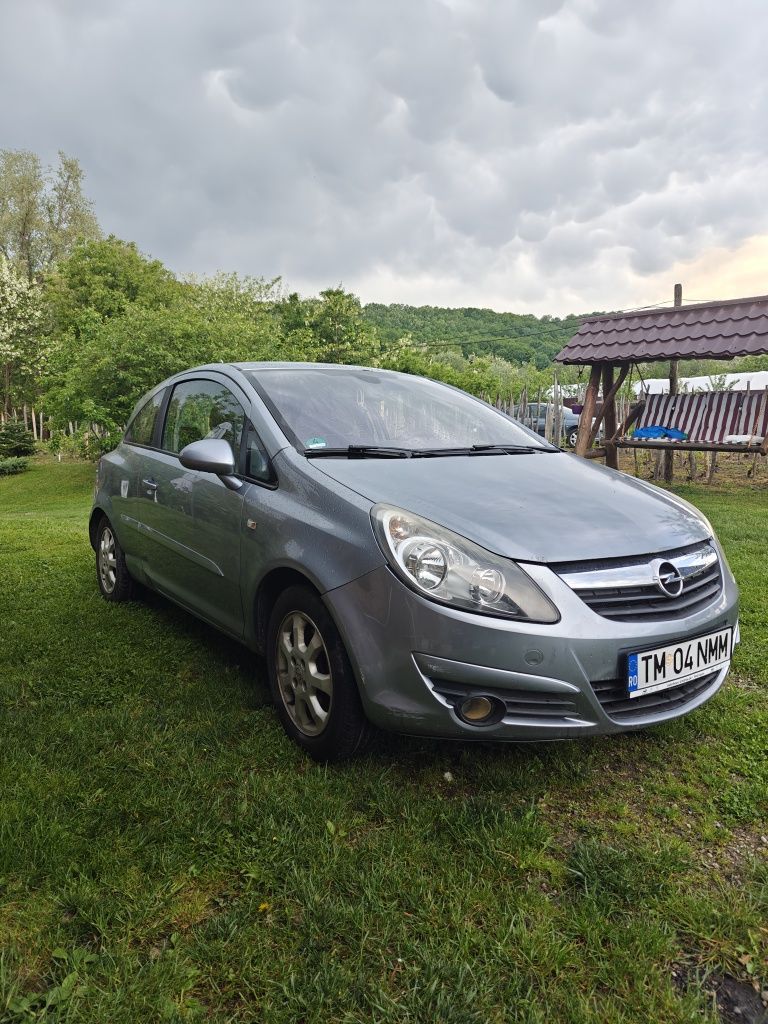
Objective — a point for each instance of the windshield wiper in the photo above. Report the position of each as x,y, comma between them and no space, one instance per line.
374,451
360,451
511,449
480,449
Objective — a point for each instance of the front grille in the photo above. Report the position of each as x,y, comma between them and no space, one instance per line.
637,597
528,704
619,706
645,602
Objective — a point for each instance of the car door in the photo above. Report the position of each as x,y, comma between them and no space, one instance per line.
129,464
192,520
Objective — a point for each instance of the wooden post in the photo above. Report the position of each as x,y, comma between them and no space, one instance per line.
674,388
588,412
557,398
609,417
607,401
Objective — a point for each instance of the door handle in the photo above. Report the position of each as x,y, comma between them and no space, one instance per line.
150,484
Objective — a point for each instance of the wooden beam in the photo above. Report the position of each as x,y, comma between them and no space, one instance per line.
595,453
694,446
674,389
759,420
630,418
584,438
609,416
607,401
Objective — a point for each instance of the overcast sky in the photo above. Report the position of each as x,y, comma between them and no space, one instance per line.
537,155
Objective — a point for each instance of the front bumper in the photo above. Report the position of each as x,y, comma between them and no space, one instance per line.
411,654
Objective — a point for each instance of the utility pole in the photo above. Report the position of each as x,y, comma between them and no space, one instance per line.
674,389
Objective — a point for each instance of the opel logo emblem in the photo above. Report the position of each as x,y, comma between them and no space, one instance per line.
668,579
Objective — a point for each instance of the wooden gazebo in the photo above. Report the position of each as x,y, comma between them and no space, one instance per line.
710,421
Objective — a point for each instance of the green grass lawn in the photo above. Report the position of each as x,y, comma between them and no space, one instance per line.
167,854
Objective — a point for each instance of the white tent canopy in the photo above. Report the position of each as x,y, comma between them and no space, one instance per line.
755,381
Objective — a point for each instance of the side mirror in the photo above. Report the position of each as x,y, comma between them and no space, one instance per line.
212,455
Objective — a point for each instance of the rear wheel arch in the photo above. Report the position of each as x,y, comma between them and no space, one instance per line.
97,514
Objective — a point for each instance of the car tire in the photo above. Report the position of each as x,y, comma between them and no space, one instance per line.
571,437
311,679
115,582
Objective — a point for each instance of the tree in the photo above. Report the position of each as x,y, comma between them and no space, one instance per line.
100,279
43,212
20,314
104,368
15,440
338,330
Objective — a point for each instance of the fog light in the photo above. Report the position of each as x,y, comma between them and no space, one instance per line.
476,709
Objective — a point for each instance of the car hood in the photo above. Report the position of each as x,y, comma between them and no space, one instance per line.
539,508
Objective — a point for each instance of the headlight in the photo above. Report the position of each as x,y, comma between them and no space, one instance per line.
452,570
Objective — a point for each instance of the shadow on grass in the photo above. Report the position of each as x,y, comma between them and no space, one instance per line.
232,655
414,756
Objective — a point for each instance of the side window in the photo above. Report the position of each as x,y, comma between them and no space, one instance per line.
257,464
141,429
200,409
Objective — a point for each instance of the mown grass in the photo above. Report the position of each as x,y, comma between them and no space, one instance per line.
167,854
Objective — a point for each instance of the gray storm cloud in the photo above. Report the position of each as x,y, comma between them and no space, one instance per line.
507,152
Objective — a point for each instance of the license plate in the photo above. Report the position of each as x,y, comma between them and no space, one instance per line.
649,671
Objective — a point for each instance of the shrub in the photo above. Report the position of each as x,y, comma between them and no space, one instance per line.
86,443
15,439
13,465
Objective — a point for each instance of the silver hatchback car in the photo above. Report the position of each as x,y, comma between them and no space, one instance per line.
406,556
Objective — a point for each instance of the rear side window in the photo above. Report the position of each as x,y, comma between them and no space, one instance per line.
141,429
200,409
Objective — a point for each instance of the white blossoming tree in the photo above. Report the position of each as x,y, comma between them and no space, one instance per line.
22,352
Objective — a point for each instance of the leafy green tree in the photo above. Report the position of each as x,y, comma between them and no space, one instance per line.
43,211
21,354
340,330
112,361
101,278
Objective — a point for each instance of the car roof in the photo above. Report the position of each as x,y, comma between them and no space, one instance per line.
288,365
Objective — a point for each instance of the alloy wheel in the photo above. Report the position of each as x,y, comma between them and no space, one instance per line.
107,560
304,673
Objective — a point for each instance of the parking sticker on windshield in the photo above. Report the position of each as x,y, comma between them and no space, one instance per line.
316,442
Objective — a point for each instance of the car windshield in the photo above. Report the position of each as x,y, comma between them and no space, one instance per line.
321,407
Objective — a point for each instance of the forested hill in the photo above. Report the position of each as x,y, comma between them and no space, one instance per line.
516,337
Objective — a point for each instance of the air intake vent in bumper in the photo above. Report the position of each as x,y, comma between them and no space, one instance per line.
619,706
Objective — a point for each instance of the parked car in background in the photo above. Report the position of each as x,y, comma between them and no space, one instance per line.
404,555
536,418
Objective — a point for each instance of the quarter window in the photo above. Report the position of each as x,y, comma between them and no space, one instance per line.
141,429
257,464
200,409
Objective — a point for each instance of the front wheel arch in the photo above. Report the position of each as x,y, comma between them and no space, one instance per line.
269,589
346,730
